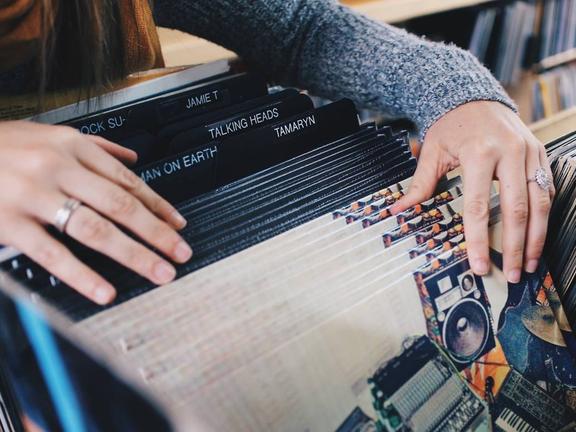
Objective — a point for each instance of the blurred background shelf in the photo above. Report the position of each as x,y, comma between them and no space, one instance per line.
555,126
557,60
393,11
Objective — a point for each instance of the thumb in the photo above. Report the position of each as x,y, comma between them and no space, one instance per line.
422,186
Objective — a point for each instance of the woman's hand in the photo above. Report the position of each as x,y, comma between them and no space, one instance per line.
489,141
42,166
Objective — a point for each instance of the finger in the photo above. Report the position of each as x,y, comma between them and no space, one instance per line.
511,172
477,181
98,233
121,153
101,163
422,186
120,206
32,240
539,209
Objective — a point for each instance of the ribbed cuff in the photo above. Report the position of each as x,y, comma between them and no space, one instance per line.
469,82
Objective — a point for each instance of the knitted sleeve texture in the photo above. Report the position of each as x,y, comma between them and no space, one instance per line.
334,52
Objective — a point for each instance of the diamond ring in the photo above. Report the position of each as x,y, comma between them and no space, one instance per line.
542,179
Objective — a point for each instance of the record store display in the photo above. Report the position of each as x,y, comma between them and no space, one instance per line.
307,305
561,247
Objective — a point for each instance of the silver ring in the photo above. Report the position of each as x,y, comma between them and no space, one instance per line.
542,179
64,214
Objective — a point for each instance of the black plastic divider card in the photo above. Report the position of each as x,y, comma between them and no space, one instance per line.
290,216
269,199
248,211
199,170
298,181
236,120
171,130
252,183
137,124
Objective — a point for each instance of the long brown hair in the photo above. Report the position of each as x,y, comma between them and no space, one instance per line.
81,45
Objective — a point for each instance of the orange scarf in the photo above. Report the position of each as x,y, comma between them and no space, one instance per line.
21,23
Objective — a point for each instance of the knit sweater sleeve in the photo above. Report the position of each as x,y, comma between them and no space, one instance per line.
326,48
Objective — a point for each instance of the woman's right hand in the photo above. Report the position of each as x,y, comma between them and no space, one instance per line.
42,166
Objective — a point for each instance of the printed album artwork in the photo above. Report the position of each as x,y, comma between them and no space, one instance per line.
307,305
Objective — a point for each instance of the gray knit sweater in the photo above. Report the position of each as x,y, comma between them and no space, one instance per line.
323,47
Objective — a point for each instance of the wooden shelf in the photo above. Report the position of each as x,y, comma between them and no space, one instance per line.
393,11
557,60
555,126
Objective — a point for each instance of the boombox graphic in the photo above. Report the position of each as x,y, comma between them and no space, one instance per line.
461,316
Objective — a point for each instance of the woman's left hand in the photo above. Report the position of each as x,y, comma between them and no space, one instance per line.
489,141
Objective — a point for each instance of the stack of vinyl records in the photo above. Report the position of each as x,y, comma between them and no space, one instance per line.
307,304
501,37
561,248
512,36
558,27
554,91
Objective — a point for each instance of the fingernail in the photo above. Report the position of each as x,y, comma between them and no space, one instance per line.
514,276
532,265
104,295
178,219
480,266
182,252
164,272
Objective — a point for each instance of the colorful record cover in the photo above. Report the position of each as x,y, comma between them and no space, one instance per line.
441,349
511,343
